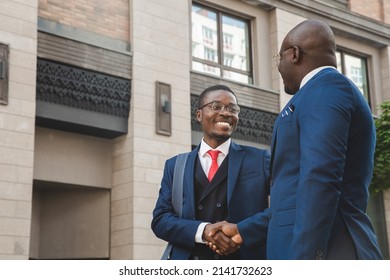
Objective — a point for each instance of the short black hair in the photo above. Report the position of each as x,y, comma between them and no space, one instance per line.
210,89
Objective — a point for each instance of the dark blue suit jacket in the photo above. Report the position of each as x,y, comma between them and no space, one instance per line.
321,167
247,194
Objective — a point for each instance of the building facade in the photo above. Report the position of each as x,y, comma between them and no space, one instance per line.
95,96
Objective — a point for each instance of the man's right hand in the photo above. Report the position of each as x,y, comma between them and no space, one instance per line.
228,233
216,237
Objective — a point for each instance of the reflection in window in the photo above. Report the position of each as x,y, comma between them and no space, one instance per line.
355,68
209,36
220,44
228,60
227,41
210,54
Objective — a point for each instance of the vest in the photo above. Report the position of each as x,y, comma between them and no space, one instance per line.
210,205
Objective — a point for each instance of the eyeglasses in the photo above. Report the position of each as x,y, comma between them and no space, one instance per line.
278,56
218,107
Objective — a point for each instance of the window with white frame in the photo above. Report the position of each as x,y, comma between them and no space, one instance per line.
221,44
355,68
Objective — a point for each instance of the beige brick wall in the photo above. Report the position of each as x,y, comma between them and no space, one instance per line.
375,9
109,18
386,13
385,70
160,46
18,29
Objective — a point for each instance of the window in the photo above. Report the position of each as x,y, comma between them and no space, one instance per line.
355,68
221,44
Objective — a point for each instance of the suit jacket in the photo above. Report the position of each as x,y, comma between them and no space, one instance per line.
321,168
247,194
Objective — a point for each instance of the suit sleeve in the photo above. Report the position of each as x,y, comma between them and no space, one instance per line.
266,169
165,223
253,230
324,126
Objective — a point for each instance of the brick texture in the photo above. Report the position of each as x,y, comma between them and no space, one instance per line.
376,9
109,18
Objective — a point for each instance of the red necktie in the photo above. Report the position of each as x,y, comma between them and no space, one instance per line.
214,163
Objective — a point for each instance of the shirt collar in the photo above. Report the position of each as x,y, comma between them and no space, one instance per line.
312,73
224,147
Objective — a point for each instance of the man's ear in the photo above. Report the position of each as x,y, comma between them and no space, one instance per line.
198,115
296,54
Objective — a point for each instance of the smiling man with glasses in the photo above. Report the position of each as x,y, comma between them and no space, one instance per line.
223,181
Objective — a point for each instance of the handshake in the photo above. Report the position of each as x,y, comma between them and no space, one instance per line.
223,237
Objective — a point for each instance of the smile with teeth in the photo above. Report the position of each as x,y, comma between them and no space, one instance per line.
224,124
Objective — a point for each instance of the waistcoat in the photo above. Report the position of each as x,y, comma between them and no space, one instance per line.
210,204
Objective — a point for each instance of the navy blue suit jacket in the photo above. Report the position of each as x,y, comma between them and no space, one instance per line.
321,168
247,194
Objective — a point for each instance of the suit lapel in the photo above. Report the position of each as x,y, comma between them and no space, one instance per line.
273,145
275,134
236,157
188,187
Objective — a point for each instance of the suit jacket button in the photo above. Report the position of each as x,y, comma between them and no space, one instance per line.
216,256
200,207
219,205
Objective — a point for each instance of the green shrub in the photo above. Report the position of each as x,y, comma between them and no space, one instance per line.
381,176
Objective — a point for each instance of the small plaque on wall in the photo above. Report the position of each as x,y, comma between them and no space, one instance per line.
163,109
4,49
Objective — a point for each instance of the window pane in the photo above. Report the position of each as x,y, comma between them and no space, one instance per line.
355,69
204,34
235,43
237,77
202,67
339,66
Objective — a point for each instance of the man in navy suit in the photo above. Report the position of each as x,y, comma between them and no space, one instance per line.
321,159
238,190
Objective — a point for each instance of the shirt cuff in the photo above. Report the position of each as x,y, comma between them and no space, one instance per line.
199,233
